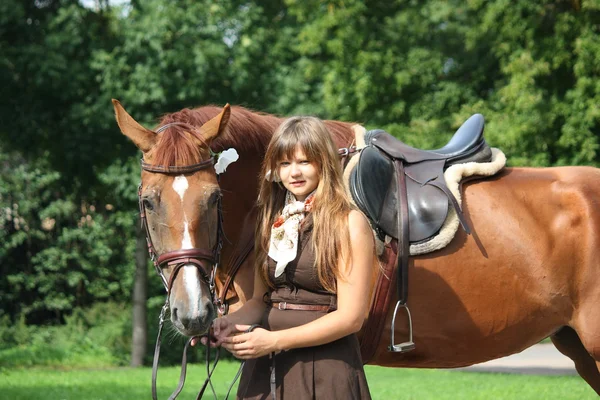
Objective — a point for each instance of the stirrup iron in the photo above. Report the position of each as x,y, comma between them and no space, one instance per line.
406,346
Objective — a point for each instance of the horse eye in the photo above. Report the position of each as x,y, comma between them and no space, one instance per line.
148,204
214,198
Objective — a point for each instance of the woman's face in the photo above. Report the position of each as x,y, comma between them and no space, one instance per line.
299,175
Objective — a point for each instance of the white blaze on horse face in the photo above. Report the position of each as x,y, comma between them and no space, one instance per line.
190,272
180,186
192,286
186,243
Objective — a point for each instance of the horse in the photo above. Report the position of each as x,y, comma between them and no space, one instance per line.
529,270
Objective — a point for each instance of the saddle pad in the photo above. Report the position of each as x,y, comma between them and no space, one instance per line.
453,175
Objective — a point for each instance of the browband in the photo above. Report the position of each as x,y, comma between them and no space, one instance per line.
173,170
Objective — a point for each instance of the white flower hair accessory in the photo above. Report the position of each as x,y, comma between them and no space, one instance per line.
225,158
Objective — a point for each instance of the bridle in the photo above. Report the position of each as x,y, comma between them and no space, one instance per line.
179,258
199,257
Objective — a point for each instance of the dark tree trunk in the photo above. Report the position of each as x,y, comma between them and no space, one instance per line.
140,294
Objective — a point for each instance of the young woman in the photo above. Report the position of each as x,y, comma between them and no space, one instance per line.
315,257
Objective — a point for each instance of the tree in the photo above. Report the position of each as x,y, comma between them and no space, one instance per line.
62,248
419,69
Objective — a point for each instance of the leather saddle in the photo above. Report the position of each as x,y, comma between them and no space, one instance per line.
403,192
392,178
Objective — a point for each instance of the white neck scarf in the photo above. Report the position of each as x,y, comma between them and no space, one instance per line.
284,232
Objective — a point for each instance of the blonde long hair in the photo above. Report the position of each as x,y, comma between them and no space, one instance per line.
330,208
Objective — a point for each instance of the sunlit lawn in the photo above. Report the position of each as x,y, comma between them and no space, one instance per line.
385,383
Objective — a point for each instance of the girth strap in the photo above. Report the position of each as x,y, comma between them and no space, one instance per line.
383,293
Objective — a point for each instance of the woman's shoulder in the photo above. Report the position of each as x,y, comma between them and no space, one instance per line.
358,224
357,219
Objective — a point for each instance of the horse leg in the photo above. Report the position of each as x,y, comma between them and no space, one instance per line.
567,342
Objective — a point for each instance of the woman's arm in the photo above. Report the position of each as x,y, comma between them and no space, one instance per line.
352,303
250,313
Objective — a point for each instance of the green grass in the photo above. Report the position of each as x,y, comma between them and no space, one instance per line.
413,384
385,383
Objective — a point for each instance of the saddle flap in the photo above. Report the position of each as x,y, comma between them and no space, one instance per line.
370,182
373,185
427,210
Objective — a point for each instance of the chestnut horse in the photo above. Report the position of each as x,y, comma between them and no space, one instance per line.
531,268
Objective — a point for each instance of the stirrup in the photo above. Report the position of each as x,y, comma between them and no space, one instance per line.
406,346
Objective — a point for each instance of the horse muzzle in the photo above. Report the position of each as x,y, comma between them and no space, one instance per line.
191,299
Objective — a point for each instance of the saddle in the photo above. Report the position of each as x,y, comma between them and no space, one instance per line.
403,193
386,161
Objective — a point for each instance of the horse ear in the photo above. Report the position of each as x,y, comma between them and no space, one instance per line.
214,127
143,138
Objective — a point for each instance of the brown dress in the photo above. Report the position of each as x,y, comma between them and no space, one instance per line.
326,372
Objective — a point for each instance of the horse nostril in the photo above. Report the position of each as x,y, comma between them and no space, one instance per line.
185,322
174,312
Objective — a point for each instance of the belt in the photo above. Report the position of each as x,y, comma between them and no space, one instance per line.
301,307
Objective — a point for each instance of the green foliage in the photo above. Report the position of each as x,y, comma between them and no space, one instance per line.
52,107
170,55
542,109
58,251
419,69
95,337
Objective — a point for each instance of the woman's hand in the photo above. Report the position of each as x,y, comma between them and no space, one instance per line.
257,343
220,330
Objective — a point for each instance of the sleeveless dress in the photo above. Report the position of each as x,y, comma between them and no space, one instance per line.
332,371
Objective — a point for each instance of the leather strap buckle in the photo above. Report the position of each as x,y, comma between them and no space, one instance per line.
281,305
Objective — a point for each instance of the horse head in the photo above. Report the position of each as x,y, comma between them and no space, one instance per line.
180,202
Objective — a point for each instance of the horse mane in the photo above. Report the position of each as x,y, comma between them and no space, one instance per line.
247,131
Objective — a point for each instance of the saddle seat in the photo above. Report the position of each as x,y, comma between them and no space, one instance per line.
375,179
466,141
